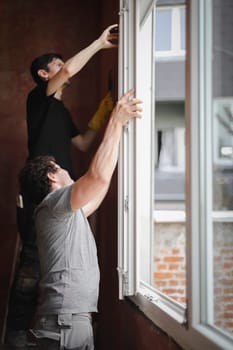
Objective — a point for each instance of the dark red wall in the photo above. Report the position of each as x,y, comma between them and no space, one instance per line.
28,29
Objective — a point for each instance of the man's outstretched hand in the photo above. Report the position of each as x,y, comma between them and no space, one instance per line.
107,39
127,108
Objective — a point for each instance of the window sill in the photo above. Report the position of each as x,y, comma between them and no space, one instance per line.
174,323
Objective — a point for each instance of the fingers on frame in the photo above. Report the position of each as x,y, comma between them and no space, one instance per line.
127,95
134,101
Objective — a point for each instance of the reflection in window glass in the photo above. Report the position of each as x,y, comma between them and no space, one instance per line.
163,30
170,31
222,206
182,28
223,153
169,243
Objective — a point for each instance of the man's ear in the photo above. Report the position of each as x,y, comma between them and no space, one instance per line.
52,177
43,74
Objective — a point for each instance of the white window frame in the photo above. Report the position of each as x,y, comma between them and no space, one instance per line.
190,329
126,240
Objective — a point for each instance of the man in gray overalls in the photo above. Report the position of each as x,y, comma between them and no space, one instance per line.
69,284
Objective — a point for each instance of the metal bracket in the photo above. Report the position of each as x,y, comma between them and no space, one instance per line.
126,203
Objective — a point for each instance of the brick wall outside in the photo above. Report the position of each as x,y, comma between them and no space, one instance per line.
170,274
223,276
169,260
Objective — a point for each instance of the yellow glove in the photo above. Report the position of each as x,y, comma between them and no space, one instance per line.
102,113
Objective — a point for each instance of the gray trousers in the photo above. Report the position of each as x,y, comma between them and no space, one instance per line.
65,331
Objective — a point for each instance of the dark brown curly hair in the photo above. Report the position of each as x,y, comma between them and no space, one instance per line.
33,180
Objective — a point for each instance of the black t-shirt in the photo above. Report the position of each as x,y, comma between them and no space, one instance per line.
50,127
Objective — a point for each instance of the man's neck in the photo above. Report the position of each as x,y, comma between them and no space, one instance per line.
58,94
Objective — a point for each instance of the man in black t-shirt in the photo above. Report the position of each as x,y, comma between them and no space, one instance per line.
50,127
50,132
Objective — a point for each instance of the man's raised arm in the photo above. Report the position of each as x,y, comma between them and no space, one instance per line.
89,191
78,61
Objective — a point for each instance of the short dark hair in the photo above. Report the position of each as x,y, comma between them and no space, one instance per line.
33,180
42,62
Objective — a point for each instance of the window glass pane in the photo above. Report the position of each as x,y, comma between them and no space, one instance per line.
163,30
182,28
169,236
222,207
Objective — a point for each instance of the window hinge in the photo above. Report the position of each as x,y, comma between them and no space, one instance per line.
126,283
121,272
123,281
126,203
123,9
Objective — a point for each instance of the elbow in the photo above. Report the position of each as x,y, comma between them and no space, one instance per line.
80,144
99,178
84,147
67,71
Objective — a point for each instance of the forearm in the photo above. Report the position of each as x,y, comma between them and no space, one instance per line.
78,61
102,166
105,159
89,190
84,141
93,185
72,66
75,63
